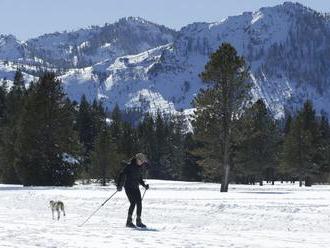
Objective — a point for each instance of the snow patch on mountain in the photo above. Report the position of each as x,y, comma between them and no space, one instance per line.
78,82
149,101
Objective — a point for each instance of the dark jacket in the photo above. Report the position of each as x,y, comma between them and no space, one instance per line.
131,176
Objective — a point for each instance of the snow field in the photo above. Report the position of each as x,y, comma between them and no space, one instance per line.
178,214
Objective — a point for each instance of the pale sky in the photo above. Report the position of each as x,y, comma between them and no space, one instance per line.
30,18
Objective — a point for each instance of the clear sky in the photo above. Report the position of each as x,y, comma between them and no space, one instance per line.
30,18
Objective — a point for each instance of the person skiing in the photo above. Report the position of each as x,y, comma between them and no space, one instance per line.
131,178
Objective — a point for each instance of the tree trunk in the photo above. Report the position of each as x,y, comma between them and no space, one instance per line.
308,182
103,179
225,180
300,180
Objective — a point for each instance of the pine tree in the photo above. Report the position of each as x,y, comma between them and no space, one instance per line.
98,116
3,95
259,139
177,146
296,151
46,145
147,143
107,157
287,124
162,147
220,106
90,122
191,170
19,82
11,112
3,165
323,151
85,126
300,146
116,123
129,140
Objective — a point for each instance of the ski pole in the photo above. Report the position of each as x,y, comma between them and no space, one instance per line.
98,208
143,194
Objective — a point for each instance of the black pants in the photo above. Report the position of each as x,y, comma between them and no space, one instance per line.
134,197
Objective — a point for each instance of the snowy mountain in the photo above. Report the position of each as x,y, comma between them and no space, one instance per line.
138,64
285,47
11,48
86,47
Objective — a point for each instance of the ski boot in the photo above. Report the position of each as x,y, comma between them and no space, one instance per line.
139,223
129,222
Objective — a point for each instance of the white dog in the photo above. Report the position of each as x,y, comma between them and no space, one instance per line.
57,206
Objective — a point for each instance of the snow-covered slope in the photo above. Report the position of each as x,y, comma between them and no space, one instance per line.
86,47
124,81
178,214
8,71
286,47
138,64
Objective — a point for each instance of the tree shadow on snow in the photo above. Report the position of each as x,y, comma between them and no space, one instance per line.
31,188
5,188
267,193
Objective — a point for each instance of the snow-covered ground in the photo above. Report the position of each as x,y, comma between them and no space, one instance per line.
178,214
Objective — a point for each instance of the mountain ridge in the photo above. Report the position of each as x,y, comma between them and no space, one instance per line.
285,47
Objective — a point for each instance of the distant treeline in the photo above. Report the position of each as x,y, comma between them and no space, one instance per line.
46,139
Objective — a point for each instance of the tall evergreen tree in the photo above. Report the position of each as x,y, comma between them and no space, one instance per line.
219,107
90,120
116,123
287,124
162,147
85,125
3,165
106,159
3,95
323,151
177,146
11,112
148,144
98,116
129,140
191,170
47,146
258,148
300,146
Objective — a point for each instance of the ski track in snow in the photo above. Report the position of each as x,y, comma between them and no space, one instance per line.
178,214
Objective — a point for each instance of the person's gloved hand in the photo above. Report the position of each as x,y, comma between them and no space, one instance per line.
146,187
119,188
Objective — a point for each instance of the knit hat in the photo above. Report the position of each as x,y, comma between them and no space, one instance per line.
141,157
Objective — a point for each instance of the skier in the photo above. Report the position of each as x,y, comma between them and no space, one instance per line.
131,178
